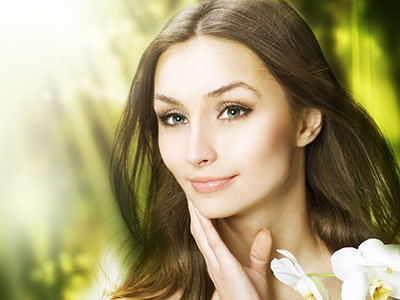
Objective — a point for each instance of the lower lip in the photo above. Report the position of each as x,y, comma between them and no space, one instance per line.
211,186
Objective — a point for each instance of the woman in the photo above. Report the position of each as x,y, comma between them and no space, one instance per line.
250,145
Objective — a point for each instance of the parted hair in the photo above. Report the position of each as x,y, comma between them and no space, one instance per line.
352,177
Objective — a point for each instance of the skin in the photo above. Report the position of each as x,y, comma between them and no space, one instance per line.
260,143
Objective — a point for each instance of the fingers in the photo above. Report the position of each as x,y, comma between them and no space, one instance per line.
231,279
213,238
260,251
200,237
209,239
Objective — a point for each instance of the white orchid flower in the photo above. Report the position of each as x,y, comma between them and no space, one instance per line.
373,268
289,271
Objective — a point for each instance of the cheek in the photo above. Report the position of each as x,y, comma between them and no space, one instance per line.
171,149
270,148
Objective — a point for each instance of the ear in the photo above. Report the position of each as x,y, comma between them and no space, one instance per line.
309,126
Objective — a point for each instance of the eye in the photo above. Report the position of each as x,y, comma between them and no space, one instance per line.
228,110
172,118
175,119
232,110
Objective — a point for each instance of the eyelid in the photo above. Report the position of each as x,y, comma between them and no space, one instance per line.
164,115
224,105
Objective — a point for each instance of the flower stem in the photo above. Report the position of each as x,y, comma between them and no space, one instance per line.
321,274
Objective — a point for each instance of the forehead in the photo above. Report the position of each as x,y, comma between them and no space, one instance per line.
206,63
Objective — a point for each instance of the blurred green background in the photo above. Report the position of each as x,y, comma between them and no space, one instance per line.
65,72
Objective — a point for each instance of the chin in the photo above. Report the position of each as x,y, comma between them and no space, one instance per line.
214,205
214,211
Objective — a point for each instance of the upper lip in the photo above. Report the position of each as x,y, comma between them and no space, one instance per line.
209,179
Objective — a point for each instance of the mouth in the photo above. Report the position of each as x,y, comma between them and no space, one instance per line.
210,184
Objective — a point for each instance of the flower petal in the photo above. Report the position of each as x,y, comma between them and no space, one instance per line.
285,271
303,289
313,288
345,261
393,279
294,261
309,283
321,288
391,257
373,251
355,287
370,245
373,271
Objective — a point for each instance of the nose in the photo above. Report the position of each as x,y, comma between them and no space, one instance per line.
201,151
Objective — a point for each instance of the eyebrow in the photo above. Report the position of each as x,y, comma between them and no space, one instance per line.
213,94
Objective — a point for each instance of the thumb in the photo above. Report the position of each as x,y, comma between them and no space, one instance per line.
260,251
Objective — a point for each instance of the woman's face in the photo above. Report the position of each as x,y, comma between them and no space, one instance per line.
225,130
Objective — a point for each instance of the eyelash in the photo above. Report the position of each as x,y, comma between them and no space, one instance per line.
163,116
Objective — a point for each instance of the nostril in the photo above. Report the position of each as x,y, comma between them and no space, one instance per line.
203,162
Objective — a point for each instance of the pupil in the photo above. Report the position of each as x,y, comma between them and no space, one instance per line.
233,112
178,119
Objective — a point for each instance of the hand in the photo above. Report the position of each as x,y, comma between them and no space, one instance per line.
232,280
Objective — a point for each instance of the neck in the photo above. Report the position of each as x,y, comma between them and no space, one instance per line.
285,215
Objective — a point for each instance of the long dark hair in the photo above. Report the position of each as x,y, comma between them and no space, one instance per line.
352,177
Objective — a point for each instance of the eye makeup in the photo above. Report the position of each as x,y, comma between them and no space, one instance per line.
164,115
233,105
175,117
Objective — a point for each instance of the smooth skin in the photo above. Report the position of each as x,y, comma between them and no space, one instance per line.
221,113
231,279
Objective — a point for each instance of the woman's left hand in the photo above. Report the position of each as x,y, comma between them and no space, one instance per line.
232,280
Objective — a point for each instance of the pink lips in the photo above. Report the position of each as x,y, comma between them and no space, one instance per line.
210,184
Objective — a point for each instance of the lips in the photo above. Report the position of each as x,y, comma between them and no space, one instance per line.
210,184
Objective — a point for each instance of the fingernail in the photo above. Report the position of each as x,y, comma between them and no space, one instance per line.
266,231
